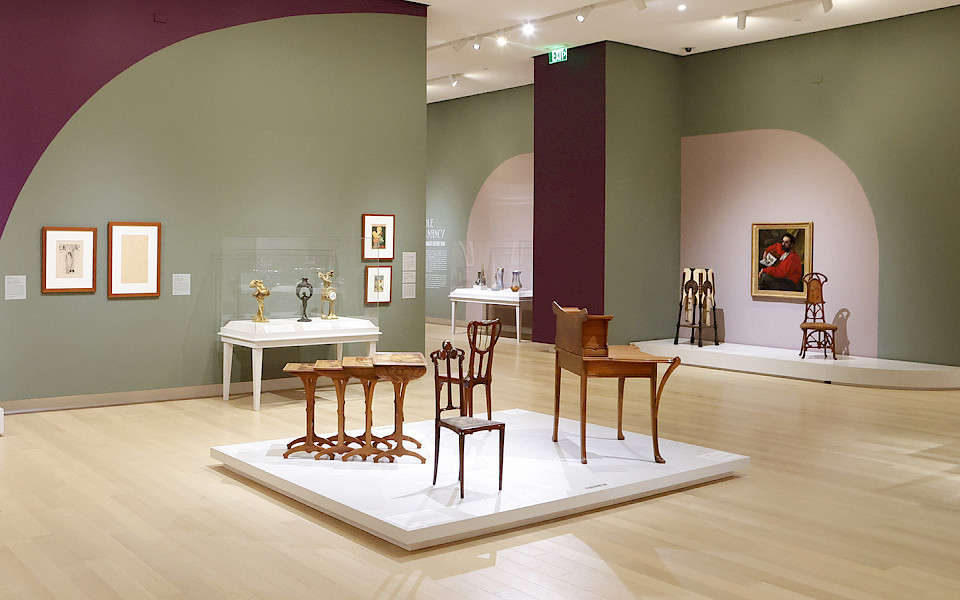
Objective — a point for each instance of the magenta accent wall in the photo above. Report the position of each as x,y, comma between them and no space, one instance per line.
569,126
55,55
732,180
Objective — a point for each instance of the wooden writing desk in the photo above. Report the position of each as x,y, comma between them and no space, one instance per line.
581,345
399,368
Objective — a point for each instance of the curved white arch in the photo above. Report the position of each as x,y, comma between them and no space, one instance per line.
731,180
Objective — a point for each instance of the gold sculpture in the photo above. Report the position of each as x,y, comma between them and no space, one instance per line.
328,294
260,292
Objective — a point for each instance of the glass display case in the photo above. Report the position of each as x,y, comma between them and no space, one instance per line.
281,263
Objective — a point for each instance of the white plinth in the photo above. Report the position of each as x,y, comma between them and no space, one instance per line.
541,480
786,362
1,421
282,333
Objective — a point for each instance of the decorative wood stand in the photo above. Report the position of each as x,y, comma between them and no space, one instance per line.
399,368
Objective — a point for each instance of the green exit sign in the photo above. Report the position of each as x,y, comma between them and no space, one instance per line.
558,55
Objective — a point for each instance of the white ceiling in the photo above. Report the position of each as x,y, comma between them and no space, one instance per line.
705,25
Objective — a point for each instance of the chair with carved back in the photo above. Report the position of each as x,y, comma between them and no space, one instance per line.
463,425
482,337
817,333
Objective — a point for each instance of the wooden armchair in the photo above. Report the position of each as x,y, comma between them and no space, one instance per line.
581,346
463,425
817,333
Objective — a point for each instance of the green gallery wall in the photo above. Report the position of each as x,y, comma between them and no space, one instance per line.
467,139
881,96
296,126
289,127
642,192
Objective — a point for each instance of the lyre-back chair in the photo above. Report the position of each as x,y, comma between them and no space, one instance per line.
462,425
482,337
817,333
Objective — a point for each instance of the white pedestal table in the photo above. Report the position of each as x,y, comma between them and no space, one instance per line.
285,333
488,296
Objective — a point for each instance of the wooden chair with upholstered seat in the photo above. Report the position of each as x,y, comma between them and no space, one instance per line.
817,333
482,337
462,424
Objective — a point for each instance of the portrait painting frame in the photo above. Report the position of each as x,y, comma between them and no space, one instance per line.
379,283
68,261
133,259
377,232
764,236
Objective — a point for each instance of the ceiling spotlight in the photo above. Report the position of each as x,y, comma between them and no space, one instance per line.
640,4
741,21
459,44
476,42
527,29
582,15
501,40
827,5
681,7
454,80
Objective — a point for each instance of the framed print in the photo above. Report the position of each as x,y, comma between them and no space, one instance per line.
379,283
69,260
781,254
378,233
133,257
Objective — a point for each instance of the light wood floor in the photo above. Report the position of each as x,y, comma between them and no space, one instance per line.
852,493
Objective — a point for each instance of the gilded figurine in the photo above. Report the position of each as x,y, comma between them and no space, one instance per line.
260,292
328,294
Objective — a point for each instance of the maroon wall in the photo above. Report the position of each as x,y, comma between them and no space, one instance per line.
569,129
54,55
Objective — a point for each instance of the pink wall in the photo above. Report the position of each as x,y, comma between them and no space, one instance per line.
500,230
731,180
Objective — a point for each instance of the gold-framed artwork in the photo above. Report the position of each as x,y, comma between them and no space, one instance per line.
379,282
378,236
68,260
133,257
781,254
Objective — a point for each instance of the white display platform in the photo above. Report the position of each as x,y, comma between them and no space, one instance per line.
786,362
541,480
1,421
282,333
488,296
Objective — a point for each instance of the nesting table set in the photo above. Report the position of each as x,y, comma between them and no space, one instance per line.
399,368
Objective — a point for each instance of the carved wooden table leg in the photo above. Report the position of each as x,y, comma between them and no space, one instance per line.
369,441
654,409
655,394
620,383
310,442
556,403
342,443
400,377
583,418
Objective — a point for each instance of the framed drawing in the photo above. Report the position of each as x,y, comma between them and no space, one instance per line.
378,234
69,260
133,257
781,254
379,283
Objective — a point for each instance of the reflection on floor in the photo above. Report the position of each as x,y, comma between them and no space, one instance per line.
542,480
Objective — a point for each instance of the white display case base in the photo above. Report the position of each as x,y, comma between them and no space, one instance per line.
285,333
542,480
1,421
786,362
